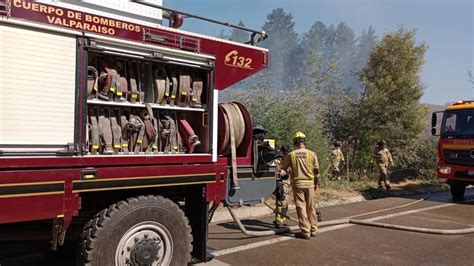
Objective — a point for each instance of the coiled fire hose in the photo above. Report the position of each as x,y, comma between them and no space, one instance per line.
350,219
234,132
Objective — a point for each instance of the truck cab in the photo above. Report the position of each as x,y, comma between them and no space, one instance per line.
456,146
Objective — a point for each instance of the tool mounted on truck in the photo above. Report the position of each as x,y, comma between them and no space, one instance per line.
110,129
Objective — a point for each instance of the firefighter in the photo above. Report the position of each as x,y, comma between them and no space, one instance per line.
303,168
383,159
336,158
283,185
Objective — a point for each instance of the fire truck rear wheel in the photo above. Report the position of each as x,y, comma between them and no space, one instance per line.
147,230
458,188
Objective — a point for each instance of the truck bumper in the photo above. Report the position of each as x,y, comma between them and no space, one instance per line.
448,172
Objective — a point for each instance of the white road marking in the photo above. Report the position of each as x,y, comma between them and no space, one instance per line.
251,246
378,218
322,230
270,241
213,262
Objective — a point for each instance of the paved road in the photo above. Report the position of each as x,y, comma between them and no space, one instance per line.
355,244
341,245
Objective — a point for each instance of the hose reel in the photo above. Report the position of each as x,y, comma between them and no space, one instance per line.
235,134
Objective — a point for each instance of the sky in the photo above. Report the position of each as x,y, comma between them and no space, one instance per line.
446,26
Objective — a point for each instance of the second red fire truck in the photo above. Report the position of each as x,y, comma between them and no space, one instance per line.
456,146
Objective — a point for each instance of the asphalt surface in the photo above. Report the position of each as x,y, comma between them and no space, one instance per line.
340,245
360,245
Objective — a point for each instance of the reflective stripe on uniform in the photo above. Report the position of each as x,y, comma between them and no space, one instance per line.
309,155
294,166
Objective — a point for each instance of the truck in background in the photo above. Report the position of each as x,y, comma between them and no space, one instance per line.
456,146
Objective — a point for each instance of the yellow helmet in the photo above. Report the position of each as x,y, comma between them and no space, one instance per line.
299,136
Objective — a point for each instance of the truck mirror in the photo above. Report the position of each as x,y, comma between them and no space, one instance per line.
434,123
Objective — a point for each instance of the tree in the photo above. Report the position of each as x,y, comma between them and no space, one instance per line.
341,114
315,62
366,43
238,35
314,41
391,108
344,52
330,48
283,113
283,43
223,35
343,103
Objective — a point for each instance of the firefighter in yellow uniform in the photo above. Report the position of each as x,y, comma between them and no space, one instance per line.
383,159
303,167
336,158
283,185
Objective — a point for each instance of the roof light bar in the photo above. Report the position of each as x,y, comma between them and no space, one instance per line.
463,102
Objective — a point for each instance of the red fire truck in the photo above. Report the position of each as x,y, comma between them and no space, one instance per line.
111,132
456,146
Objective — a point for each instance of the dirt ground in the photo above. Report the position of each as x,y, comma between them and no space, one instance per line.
346,191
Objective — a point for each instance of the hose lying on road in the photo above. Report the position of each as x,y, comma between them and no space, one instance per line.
346,219
415,229
350,220
242,228
469,230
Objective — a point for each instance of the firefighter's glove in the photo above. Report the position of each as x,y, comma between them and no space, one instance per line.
317,182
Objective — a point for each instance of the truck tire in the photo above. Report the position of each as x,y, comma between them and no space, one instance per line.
458,188
146,230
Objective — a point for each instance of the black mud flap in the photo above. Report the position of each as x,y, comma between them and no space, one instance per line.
254,188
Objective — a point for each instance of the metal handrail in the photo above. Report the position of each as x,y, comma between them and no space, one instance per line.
262,33
4,7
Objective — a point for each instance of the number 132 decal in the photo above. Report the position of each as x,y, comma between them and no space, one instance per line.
232,58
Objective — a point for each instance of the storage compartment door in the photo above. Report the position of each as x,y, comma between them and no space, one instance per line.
37,89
